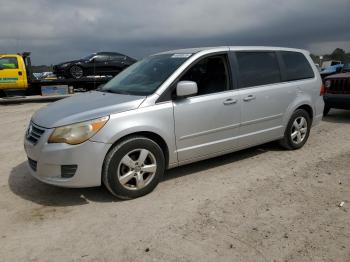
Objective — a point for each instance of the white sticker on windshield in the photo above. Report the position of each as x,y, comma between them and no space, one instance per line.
181,55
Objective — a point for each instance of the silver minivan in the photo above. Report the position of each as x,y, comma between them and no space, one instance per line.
171,109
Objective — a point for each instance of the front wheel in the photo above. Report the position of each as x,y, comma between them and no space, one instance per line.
297,131
133,167
76,72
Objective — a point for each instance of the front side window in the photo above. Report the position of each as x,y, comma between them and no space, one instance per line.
144,77
258,68
8,63
210,74
296,66
101,58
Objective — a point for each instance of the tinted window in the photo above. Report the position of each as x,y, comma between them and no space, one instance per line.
257,68
296,66
8,63
346,68
117,57
210,74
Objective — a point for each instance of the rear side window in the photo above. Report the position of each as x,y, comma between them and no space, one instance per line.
258,68
296,66
117,57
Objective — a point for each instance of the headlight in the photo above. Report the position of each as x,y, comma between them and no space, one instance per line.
65,65
77,133
327,83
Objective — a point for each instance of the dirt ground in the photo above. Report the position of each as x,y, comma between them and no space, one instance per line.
260,204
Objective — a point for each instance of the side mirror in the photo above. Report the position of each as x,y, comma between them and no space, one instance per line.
186,88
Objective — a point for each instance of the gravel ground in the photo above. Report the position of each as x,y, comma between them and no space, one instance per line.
260,204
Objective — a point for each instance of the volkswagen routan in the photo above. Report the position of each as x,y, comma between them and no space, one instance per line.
171,109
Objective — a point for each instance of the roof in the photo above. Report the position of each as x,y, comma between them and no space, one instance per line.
234,48
107,53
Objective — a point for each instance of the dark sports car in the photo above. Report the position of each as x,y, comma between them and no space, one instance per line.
101,63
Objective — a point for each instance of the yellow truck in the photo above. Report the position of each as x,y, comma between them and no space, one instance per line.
16,78
13,72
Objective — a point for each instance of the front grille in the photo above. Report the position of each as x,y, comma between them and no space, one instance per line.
34,133
32,164
339,86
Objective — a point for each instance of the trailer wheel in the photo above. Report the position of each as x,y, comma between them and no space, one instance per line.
76,72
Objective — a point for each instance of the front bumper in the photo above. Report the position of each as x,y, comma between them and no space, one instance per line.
49,158
340,101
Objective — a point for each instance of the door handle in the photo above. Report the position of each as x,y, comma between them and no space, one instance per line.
230,101
249,98
19,73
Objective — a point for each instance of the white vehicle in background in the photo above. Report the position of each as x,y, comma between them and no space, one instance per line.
329,63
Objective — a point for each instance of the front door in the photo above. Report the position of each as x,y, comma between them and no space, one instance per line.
10,75
101,65
207,123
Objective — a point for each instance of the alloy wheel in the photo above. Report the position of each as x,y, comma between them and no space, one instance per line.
76,71
137,169
299,130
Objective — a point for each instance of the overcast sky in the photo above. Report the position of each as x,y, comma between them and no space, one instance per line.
59,30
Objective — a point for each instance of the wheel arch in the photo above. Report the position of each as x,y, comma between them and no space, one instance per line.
308,109
150,135
304,104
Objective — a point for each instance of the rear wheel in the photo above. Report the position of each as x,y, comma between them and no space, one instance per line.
133,167
76,72
297,131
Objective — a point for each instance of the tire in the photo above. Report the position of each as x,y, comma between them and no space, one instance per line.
125,172
296,133
76,72
326,110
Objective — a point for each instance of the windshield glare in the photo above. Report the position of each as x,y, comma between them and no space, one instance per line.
88,57
144,77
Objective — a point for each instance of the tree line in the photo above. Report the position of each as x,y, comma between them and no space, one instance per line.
338,54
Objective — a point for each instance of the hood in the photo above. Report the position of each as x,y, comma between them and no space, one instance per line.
341,75
83,107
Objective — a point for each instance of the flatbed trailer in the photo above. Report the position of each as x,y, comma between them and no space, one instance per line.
16,78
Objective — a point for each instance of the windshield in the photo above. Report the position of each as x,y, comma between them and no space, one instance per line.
144,77
346,68
88,57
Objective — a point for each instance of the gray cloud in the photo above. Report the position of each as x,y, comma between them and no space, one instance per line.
59,30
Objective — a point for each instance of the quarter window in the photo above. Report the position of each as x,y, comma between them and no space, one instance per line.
296,66
210,74
8,63
258,68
